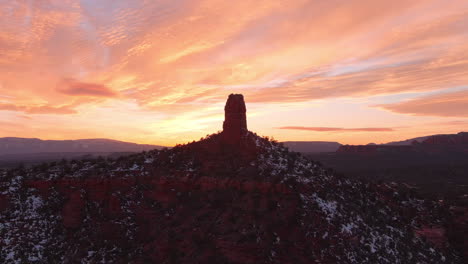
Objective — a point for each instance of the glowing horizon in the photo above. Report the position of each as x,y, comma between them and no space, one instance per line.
159,72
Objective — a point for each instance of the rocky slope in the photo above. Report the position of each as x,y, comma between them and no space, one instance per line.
229,198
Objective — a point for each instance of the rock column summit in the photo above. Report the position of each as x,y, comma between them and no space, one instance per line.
235,120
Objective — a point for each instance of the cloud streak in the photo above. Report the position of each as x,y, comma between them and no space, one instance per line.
75,88
339,129
38,109
453,104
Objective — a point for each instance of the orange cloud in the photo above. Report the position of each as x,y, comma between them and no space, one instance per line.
339,129
76,88
40,109
453,104
168,59
272,51
276,57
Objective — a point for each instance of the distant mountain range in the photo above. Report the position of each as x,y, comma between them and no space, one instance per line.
434,164
430,144
14,151
12,145
324,146
408,142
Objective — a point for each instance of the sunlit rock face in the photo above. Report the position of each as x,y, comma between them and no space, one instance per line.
235,121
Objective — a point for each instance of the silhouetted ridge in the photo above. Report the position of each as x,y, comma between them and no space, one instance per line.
454,139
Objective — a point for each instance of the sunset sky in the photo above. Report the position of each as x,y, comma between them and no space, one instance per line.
160,71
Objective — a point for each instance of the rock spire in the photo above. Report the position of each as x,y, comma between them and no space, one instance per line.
235,120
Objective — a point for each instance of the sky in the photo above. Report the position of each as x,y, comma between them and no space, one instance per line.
160,71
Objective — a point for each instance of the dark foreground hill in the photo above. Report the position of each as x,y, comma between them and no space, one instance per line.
232,197
204,203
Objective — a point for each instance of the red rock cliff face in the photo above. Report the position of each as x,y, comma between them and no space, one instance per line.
235,122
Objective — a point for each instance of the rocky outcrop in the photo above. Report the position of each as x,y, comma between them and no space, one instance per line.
235,121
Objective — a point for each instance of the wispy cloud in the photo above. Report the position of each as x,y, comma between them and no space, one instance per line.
76,88
38,109
453,104
339,129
